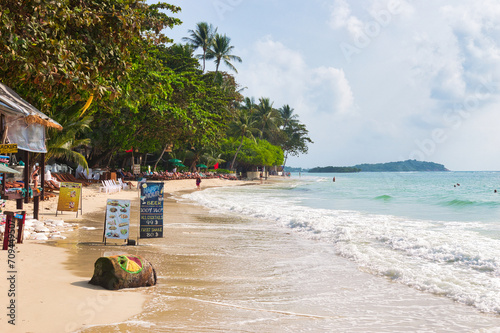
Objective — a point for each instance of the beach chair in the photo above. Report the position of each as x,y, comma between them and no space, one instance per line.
115,186
108,187
122,184
104,187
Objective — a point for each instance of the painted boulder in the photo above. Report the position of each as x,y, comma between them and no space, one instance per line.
123,271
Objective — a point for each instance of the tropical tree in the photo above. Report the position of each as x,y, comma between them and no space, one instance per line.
62,143
248,104
254,152
268,117
287,116
296,140
243,126
220,50
58,53
203,37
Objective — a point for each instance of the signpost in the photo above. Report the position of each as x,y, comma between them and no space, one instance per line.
117,222
151,217
70,198
136,169
8,149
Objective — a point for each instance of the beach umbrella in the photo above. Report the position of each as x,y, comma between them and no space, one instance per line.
203,166
174,160
179,164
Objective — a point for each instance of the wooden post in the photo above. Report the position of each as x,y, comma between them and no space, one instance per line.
36,207
6,235
20,228
27,170
42,177
2,185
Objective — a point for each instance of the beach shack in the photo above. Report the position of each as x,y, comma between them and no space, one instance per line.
23,128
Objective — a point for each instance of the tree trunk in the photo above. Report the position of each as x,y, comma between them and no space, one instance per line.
123,271
204,58
284,163
237,151
161,155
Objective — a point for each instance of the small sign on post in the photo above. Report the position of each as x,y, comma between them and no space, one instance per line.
151,216
8,149
136,169
70,198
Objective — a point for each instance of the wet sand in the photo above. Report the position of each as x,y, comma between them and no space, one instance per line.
222,273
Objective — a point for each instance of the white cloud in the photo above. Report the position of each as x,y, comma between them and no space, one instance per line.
283,75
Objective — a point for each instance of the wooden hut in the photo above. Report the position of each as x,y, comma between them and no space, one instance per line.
24,125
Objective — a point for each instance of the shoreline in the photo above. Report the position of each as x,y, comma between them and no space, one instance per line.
52,278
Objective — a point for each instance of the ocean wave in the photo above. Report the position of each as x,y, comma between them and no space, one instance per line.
469,203
383,197
444,258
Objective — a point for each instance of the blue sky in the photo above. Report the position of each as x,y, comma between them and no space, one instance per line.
373,80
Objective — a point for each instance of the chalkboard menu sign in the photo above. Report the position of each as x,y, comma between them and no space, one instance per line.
151,217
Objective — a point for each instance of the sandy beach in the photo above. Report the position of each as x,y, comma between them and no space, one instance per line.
52,293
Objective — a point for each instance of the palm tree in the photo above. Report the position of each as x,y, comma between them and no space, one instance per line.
221,50
296,140
202,37
268,117
287,116
248,104
61,144
243,126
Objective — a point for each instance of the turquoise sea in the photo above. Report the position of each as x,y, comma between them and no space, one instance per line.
434,232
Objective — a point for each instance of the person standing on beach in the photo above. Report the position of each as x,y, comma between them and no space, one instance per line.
34,176
198,182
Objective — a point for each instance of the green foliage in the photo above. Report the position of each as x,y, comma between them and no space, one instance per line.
168,100
252,152
222,171
62,143
330,169
58,52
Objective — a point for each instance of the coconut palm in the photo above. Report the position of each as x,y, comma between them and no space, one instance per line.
248,105
243,126
267,116
202,37
61,144
287,116
221,50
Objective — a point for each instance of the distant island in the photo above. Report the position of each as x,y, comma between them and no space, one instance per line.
402,166
334,169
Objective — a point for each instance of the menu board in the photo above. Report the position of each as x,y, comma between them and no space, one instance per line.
151,218
117,224
69,197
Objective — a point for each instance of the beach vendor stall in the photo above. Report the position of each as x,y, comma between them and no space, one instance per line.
22,127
